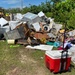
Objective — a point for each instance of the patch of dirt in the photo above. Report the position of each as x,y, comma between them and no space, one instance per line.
31,66
15,71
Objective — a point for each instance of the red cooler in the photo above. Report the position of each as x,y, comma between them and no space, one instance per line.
56,62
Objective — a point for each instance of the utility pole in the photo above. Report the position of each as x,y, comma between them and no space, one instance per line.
21,4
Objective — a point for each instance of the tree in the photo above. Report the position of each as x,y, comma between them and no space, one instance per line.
71,21
33,9
54,2
25,10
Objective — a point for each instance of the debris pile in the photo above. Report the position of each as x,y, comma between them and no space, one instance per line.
34,30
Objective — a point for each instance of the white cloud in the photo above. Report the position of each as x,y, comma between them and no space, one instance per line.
12,1
17,6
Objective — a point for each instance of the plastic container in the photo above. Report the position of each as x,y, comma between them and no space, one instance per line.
55,63
11,41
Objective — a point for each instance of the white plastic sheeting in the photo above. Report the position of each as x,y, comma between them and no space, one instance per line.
41,47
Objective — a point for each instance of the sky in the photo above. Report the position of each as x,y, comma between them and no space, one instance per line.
18,3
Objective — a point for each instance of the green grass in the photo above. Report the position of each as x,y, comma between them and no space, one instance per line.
26,61
8,58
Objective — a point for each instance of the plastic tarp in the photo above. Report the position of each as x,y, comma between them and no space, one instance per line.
3,22
40,47
54,44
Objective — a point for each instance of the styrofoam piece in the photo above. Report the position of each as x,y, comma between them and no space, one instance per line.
3,22
41,47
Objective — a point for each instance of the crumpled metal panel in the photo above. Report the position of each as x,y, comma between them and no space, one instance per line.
30,15
31,18
4,29
15,34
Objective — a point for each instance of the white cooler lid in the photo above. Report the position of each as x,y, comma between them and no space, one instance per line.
57,54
